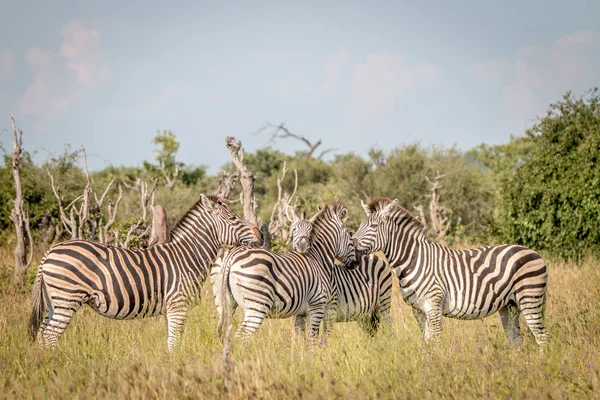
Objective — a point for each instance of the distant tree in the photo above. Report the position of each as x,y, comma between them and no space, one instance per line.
167,148
552,201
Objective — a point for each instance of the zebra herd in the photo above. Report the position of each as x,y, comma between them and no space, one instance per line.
305,283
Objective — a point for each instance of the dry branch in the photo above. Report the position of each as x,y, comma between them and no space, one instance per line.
280,213
280,131
18,216
439,215
170,180
247,179
226,183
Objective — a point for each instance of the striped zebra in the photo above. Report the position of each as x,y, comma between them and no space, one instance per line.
125,284
363,294
300,231
464,284
267,284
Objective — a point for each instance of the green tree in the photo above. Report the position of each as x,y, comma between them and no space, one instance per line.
553,200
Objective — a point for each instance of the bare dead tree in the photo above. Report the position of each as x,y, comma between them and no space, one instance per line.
146,197
47,226
170,179
280,131
18,216
105,236
226,183
246,178
439,215
419,209
158,233
84,208
68,222
280,216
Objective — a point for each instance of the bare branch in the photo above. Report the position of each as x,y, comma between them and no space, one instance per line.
129,232
145,197
68,223
280,131
84,210
18,216
329,150
112,213
247,179
226,183
280,215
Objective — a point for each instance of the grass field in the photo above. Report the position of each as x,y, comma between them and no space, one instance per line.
103,358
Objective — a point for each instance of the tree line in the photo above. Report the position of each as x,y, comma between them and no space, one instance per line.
541,190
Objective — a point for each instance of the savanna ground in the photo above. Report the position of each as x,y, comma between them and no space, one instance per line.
103,358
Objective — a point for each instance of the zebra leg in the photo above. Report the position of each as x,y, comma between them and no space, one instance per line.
370,323
329,316
433,318
509,314
532,309
315,317
176,318
421,319
300,324
254,314
57,319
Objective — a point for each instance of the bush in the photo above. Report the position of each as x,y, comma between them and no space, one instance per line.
553,200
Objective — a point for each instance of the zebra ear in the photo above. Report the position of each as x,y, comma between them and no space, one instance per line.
209,204
387,210
343,215
366,208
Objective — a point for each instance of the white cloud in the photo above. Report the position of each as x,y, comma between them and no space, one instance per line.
61,78
536,76
383,77
334,67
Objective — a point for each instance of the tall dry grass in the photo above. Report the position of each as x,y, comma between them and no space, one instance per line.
103,358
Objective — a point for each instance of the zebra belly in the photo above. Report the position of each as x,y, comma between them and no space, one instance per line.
455,307
126,305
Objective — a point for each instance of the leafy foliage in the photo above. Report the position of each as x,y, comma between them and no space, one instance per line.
553,199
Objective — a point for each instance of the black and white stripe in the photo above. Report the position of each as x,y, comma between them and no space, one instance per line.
125,284
363,294
464,284
267,284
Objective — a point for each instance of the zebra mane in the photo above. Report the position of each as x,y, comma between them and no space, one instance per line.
196,206
328,209
399,214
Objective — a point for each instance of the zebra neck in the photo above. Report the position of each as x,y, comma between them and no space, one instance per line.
404,251
202,252
322,253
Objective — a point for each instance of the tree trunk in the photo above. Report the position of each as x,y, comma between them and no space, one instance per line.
159,226
18,216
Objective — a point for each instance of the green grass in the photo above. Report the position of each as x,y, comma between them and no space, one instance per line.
103,358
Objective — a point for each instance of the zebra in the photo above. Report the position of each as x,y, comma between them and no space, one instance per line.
363,294
465,284
300,231
126,284
267,284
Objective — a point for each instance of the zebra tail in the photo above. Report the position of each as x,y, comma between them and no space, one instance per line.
225,297
39,305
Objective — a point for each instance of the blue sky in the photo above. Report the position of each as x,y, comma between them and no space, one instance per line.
107,75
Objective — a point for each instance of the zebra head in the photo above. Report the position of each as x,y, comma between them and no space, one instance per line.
301,231
375,229
231,229
332,220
